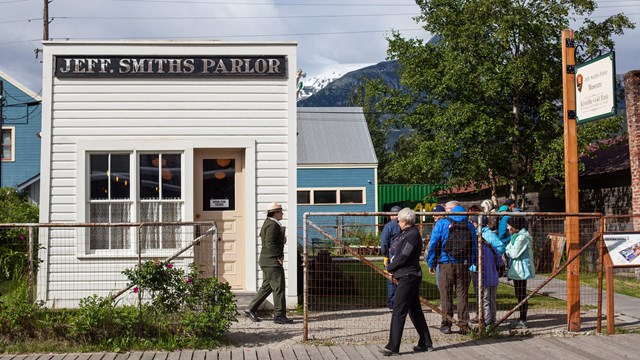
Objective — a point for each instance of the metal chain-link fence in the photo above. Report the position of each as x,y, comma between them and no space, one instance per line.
346,287
63,263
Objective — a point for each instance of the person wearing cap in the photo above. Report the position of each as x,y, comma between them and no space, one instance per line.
271,263
388,237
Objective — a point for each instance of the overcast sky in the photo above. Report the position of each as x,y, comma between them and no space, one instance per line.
327,31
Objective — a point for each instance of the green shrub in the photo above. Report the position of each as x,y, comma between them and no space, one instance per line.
98,319
18,317
15,207
217,309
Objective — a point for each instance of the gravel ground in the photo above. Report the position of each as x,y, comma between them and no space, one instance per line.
371,326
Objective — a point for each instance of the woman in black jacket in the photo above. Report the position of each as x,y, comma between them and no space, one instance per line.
405,268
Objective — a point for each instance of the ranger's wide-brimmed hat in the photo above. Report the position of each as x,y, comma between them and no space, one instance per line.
274,206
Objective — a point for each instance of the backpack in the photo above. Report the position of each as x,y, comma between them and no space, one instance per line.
459,241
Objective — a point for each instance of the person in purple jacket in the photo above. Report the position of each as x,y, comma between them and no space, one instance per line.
491,262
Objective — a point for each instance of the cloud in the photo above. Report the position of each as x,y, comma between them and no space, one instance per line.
337,39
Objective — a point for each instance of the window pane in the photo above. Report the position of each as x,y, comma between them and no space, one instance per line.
6,137
171,234
150,235
99,165
351,197
149,176
120,177
218,183
99,236
171,177
304,197
120,235
324,197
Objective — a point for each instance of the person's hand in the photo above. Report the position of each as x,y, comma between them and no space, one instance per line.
386,262
432,271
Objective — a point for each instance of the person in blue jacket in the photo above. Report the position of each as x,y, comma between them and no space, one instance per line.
390,234
454,272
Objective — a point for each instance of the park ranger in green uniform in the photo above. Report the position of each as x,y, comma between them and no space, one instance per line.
271,258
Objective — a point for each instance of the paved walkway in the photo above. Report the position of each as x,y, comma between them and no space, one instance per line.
571,348
626,308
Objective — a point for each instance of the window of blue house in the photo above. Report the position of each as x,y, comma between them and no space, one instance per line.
331,196
8,145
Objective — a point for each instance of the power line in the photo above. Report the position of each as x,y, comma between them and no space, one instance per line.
264,3
221,17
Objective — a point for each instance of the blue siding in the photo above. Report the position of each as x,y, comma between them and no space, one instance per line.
26,122
337,178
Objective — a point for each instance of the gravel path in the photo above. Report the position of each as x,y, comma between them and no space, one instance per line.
372,327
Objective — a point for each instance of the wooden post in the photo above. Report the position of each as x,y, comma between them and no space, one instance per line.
608,268
571,178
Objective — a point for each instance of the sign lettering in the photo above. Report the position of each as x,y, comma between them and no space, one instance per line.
170,67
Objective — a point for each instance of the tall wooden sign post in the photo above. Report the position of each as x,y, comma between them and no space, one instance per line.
571,178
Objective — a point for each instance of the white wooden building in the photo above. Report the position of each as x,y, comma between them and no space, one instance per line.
139,131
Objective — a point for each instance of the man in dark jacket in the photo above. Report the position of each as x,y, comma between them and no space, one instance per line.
388,238
271,259
405,268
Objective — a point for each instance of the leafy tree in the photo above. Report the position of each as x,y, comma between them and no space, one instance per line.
365,95
485,99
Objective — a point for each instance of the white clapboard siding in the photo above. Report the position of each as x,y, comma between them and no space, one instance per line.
153,109
106,88
248,112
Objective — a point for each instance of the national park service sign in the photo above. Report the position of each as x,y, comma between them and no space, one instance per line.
170,66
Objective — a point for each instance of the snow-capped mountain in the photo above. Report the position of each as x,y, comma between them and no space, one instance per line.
312,83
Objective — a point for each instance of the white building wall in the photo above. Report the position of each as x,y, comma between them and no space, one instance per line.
160,114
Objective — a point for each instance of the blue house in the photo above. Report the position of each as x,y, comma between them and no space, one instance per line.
337,164
21,125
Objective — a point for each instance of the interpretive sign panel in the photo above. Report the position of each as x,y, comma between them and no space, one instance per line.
624,248
595,89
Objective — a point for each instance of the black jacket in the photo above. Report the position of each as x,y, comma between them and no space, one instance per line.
407,258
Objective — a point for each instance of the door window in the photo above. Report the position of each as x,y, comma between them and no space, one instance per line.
218,184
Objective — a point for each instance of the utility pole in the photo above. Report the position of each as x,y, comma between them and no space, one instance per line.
45,21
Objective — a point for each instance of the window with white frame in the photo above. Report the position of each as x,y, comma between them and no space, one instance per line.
157,198
110,200
160,185
334,196
8,145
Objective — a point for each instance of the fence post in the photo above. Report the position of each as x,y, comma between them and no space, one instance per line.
600,267
305,279
30,280
139,290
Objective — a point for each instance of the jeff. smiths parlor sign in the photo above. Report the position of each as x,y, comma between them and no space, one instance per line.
170,66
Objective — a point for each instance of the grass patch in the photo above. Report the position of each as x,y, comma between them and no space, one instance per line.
621,284
361,287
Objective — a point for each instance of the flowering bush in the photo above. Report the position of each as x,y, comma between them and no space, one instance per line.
205,307
163,284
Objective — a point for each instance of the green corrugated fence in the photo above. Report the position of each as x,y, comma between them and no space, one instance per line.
415,196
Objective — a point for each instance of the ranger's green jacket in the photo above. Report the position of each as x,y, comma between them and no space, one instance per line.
273,240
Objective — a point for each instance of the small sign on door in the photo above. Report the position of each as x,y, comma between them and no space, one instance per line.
219,203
